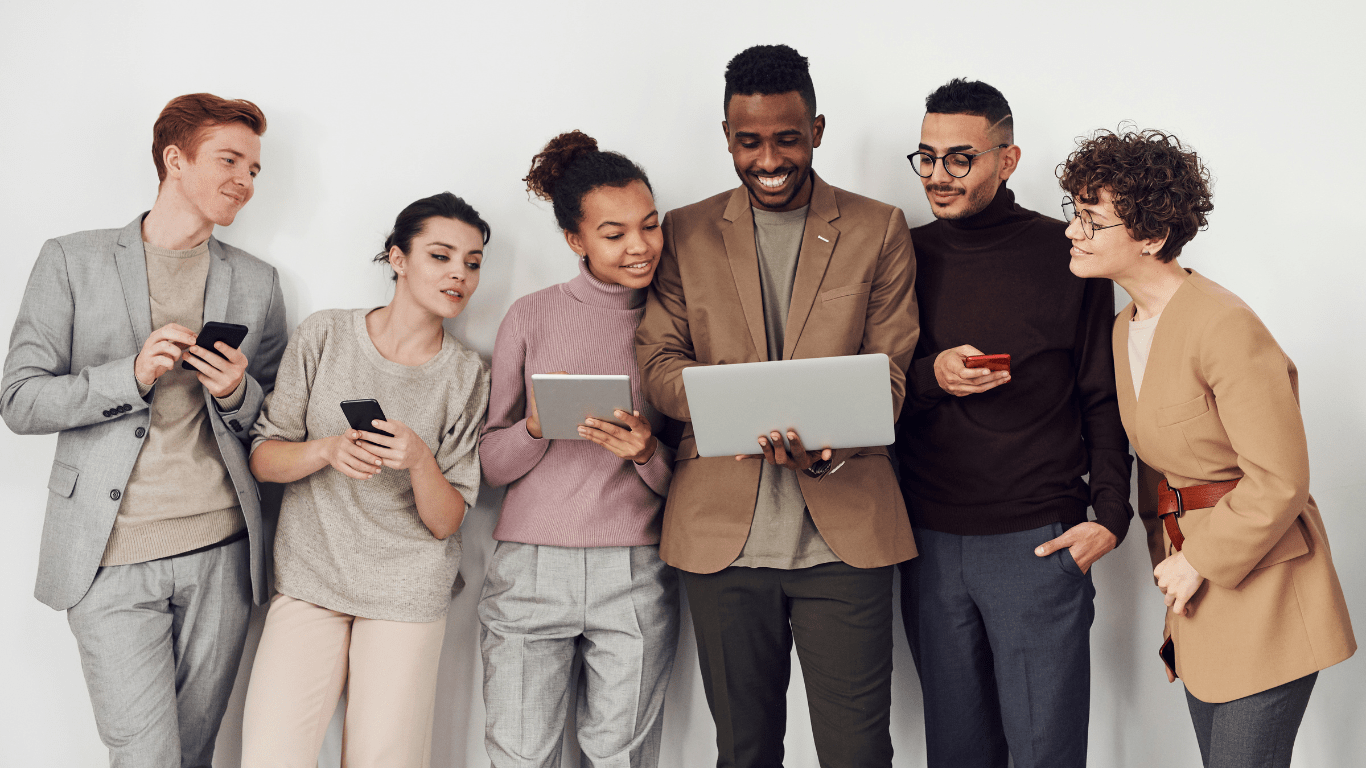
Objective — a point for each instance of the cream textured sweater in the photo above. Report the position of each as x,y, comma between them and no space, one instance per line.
359,546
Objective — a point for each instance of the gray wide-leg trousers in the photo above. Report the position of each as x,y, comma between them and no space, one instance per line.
617,609
160,642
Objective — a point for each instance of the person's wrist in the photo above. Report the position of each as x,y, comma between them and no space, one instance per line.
425,464
648,453
817,468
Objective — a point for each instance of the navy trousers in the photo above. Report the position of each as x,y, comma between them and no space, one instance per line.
1001,641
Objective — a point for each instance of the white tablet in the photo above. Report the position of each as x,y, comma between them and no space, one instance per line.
831,402
565,400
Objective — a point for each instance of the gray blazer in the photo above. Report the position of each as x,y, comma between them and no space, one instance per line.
85,314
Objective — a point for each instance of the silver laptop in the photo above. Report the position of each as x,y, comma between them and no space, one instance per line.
831,402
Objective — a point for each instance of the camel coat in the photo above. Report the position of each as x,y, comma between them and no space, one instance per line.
1220,401
854,293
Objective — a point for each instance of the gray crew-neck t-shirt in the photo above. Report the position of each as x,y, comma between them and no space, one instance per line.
782,534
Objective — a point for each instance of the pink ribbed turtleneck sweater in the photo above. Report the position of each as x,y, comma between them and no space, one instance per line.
570,493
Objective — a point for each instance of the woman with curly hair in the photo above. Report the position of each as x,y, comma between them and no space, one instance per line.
576,573
1211,406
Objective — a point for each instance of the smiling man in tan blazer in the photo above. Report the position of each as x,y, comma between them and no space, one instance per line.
784,548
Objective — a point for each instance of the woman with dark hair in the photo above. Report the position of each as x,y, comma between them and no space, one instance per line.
368,546
576,573
1211,406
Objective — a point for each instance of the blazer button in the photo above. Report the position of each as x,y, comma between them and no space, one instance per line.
126,407
108,413
139,432
115,494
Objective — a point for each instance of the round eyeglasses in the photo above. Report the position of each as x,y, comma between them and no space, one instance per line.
956,164
1088,226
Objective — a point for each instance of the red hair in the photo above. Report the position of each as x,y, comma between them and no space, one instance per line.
185,118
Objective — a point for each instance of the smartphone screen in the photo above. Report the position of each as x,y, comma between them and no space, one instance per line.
214,332
359,414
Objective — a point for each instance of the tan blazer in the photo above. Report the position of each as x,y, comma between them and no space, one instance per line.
853,293
1220,401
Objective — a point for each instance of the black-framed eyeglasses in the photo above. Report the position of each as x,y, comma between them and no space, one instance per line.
1070,211
956,164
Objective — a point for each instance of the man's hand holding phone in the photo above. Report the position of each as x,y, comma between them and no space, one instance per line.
955,377
162,350
220,370
215,356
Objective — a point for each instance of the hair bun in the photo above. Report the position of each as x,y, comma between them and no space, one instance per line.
550,164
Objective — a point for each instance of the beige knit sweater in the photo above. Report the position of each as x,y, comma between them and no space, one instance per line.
179,496
359,546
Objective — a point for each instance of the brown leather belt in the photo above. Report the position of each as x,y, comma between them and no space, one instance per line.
1172,503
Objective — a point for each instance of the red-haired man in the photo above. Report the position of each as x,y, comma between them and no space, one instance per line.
153,541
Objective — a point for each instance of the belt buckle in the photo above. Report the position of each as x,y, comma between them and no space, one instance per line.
1180,503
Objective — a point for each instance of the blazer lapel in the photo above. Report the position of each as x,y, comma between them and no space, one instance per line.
738,235
217,284
1124,373
131,262
818,245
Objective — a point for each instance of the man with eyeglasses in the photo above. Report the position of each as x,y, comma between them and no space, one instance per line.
998,607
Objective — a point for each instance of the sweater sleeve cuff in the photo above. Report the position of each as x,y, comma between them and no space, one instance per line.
926,385
658,471
507,454
233,401
143,389
1115,517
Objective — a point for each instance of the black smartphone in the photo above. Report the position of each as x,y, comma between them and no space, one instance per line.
214,332
359,414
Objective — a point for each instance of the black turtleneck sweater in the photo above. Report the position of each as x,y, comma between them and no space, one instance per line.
1012,458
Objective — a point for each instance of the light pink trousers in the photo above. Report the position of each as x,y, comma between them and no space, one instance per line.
307,655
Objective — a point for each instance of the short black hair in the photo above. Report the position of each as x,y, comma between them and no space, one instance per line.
767,70
961,96
413,219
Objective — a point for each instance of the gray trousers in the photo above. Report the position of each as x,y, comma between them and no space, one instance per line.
614,607
1001,639
160,642
1256,731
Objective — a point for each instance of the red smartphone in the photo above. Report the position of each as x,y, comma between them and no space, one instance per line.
990,362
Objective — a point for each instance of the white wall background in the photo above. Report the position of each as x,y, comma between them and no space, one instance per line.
372,105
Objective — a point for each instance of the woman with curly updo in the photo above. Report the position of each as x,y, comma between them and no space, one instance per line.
576,572
1211,406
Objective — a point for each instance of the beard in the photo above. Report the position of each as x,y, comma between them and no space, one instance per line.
978,199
